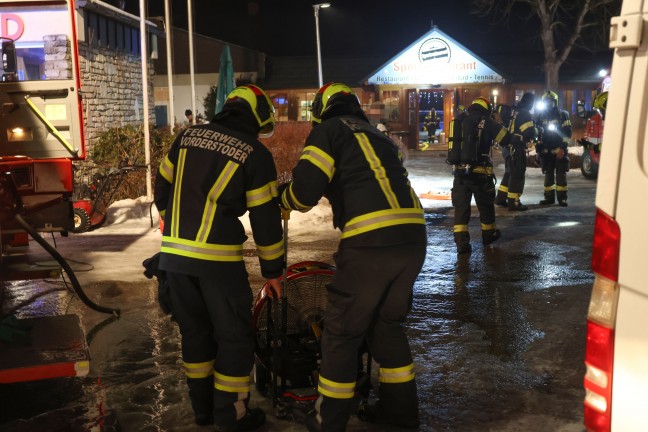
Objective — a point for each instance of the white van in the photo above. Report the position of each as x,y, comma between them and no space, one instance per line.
616,358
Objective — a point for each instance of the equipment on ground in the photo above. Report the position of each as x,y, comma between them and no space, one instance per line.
287,338
94,194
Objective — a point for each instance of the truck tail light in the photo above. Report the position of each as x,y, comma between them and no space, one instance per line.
601,318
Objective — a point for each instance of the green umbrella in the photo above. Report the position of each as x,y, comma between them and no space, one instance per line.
225,79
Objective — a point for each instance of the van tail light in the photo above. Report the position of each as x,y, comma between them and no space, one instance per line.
601,318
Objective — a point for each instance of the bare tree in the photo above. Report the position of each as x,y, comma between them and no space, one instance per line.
562,25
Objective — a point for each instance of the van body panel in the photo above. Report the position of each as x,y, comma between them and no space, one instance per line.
622,193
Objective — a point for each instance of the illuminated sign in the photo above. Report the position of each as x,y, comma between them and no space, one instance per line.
435,58
11,26
29,27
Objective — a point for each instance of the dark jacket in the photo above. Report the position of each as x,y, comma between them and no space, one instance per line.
214,174
358,169
556,128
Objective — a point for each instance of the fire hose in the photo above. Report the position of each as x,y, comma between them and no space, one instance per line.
64,264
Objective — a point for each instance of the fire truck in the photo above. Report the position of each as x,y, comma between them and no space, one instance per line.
41,135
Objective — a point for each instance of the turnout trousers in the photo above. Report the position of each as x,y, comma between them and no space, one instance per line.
555,180
464,187
518,171
503,189
369,299
215,320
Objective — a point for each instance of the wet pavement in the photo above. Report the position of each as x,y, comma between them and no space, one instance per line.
498,335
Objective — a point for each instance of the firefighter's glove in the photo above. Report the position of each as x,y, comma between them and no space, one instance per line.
273,288
560,153
280,190
151,270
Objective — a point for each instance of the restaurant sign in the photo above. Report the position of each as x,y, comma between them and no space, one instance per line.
433,59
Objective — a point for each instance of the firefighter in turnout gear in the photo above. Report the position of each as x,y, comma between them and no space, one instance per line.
473,174
215,173
523,132
503,116
380,254
555,126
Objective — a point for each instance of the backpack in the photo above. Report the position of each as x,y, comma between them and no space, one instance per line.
464,141
454,141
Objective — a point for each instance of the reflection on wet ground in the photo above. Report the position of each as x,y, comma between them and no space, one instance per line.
497,337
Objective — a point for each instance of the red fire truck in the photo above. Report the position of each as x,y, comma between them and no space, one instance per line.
41,134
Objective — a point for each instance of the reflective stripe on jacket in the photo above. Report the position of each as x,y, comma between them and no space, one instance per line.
358,169
211,177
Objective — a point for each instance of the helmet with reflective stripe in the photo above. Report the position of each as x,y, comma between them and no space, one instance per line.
550,97
601,101
331,95
481,102
258,103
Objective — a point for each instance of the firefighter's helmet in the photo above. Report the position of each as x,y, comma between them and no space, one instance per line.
601,101
527,101
550,97
258,103
329,96
481,102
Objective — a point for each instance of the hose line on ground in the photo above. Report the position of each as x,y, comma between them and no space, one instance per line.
64,264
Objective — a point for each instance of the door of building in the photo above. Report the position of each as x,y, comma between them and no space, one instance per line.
412,119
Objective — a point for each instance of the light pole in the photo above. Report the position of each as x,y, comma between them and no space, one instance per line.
316,8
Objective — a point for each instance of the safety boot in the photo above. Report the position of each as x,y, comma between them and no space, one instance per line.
397,406
562,203
515,205
500,199
549,198
462,240
490,236
253,419
201,391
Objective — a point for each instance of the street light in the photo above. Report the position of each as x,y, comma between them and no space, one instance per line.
316,8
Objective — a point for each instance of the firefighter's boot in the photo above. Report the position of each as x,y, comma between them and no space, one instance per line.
201,393
490,236
549,198
500,198
335,413
397,405
462,240
514,204
237,416
562,198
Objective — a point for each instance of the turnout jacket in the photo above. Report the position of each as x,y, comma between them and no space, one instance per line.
557,130
522,127
358,169
212,175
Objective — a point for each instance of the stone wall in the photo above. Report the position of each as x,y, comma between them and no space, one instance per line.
58,57
111,84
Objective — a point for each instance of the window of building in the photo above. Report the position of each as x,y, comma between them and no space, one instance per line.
304,102
106,32
280,102
391,100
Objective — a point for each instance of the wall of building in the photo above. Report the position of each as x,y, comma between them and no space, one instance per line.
112,90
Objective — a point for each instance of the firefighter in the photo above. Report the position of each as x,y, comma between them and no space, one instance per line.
213,174
380,254
503,116
474,176
523,132
594,126
555,127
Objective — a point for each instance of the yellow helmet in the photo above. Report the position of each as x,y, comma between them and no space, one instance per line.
550,97
482,102
601,101
259,104
330,95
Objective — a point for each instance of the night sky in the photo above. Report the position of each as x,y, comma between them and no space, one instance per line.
349,28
